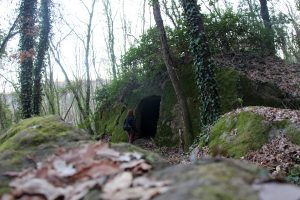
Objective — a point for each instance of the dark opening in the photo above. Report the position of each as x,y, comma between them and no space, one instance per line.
147,114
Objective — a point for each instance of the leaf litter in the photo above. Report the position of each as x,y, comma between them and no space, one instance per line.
278,156
72,174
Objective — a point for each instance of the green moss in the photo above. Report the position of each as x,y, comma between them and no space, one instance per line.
36,137
294,175
164,131
34,131
293,133
235,135
110,121
256,93
166,136
228,88
4,189
220,183
281,124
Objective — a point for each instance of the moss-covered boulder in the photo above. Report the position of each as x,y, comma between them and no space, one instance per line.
237,133
34,139
222,179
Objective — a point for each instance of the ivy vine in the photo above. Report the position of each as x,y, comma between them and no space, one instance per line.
203,63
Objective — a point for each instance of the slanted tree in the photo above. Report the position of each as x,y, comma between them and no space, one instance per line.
26,43
173,77
269,40
41,52
203,63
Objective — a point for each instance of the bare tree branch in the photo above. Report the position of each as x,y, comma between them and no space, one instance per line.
11,33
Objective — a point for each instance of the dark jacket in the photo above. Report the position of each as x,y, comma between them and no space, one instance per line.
129,123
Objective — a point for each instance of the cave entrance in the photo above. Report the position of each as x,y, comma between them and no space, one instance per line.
147,114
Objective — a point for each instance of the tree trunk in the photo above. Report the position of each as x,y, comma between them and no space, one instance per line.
75,93
40,59
27,19
87,66
172,74
203,65
111,37
269,41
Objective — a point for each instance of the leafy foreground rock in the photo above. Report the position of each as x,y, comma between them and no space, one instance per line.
223,179
73,174
34,139
96,171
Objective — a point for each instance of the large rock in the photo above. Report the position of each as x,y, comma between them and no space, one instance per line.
34,139
237,133
223,180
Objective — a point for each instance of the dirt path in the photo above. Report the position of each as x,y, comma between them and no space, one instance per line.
174,155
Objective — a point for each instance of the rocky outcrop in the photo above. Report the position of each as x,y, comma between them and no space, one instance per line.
223,179
247,129
33,140
236,89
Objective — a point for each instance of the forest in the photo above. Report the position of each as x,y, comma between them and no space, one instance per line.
150,99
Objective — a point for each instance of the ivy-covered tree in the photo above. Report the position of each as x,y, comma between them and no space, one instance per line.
203,63
26,43
41,52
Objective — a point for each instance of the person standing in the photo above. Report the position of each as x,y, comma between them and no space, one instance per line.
129,126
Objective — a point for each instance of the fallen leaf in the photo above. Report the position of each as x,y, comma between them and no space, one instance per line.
147,182
38,187
119,182
135,193
62,169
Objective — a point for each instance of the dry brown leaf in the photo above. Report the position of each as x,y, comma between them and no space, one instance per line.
119,182
108,153
7,197
135,193
147,182
38,187
72,174
62,169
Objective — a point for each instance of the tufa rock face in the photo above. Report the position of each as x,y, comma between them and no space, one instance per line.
235,90
34,139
